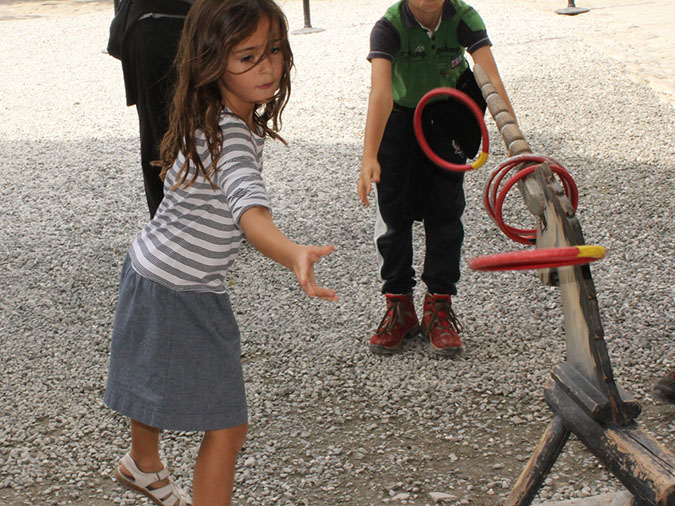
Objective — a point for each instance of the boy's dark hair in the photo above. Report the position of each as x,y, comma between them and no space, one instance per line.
212,29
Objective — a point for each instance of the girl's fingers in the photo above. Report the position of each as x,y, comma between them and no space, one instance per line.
305,284
326,293
305,274
322,251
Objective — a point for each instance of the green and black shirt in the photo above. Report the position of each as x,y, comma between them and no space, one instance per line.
421,60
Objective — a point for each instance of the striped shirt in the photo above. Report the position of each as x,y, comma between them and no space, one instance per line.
195,234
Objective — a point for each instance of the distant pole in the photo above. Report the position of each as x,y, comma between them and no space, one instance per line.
571,9
308,23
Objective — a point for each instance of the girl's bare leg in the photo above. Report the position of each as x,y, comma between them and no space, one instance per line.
214,470
145,450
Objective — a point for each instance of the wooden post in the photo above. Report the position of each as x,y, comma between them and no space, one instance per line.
642,465
308,22
544,456
571,9
581,392
305,11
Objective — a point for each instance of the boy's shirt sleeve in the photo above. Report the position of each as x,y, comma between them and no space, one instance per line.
471,31
239,172
384,40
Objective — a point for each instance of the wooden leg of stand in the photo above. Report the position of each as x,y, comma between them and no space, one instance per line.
540,463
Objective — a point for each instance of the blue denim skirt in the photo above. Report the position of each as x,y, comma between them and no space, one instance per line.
175,357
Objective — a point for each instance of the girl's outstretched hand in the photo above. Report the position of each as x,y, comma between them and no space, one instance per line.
264,236
303,268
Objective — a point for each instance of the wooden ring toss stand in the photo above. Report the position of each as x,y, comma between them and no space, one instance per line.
581,392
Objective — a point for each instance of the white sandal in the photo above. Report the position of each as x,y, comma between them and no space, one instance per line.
168,495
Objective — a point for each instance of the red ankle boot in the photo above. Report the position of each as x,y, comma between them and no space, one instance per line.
441,326
399,322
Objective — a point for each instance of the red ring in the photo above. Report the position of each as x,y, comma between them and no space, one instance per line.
493,198
417,124
530,259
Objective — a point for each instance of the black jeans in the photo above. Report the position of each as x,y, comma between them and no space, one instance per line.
412,188
148,54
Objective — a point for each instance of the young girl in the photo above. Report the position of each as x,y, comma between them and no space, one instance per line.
175,354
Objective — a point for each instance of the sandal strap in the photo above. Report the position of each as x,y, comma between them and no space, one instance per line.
168,495
172,495
140,478
177,498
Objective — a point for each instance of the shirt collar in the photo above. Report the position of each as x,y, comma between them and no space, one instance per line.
411,22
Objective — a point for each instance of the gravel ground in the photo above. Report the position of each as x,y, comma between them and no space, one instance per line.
330,424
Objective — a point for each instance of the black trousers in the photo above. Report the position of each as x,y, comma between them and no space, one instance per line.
148,53
412,188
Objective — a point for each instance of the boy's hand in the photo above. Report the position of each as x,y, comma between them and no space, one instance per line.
370,172
303,268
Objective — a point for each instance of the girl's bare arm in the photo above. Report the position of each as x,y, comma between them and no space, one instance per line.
264,236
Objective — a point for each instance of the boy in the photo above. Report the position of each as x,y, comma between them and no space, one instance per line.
417,46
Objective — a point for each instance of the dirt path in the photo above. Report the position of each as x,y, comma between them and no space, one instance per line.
10,9
637,33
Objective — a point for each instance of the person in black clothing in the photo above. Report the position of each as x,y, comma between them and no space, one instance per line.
148,51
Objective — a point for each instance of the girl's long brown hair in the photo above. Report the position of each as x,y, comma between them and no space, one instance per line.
212,29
